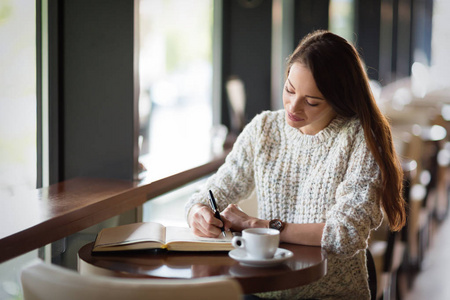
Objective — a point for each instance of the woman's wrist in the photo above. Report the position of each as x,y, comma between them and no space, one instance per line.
259,223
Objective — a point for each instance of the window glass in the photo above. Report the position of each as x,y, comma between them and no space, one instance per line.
17,119
440,44
17,96
175,72
341,18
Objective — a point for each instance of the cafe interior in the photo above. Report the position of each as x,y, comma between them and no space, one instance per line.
114,112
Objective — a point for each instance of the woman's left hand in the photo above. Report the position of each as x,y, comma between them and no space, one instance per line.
240,220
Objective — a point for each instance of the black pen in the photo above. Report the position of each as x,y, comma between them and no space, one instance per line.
212,201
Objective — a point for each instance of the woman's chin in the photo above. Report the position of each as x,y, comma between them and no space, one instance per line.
294,125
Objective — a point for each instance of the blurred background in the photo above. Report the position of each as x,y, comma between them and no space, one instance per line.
141,89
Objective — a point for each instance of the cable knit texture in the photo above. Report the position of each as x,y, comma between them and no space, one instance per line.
330,178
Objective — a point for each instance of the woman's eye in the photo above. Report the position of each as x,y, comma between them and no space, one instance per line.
288,91
310,103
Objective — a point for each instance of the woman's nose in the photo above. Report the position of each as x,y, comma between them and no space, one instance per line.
297,103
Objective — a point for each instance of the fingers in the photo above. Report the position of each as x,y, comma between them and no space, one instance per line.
233,211
226,223
203,222
236,218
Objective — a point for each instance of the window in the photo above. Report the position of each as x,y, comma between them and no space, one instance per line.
440,44
341,18
175,106
17,96
175,68
17,118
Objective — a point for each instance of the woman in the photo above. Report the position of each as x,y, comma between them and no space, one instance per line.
323,168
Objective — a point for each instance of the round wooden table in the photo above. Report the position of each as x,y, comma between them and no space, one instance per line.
307,265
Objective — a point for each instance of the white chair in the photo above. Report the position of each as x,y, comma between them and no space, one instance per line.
43,281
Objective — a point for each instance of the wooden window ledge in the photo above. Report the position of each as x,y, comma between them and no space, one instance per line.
34,219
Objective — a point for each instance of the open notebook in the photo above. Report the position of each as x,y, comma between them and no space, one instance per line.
151,235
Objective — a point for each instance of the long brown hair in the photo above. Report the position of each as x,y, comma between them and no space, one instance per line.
340,76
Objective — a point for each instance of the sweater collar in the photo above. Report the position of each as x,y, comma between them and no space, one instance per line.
322,136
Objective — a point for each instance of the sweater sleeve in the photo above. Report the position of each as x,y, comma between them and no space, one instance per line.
234,180
357,209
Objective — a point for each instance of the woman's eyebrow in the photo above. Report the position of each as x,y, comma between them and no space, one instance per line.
314,97
308,96
292,86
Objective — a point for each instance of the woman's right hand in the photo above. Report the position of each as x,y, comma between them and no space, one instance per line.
203,223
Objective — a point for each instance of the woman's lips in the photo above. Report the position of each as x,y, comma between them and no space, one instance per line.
294,118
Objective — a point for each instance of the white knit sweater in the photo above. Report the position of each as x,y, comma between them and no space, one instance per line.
329,177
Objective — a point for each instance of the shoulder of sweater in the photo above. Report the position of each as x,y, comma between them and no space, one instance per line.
350,132
270,115
353,135
267,117
256,127
353,126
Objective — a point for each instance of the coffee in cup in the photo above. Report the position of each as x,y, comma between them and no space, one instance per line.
259,243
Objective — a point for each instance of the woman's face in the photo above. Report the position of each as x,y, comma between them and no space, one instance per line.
305,107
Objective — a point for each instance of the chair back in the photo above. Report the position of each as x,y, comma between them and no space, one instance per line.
43,281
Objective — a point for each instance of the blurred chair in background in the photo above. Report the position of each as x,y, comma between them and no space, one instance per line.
43,281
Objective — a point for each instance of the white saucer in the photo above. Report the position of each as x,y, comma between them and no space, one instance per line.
241,256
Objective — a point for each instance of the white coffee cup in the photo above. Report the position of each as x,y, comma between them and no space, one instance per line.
259,243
